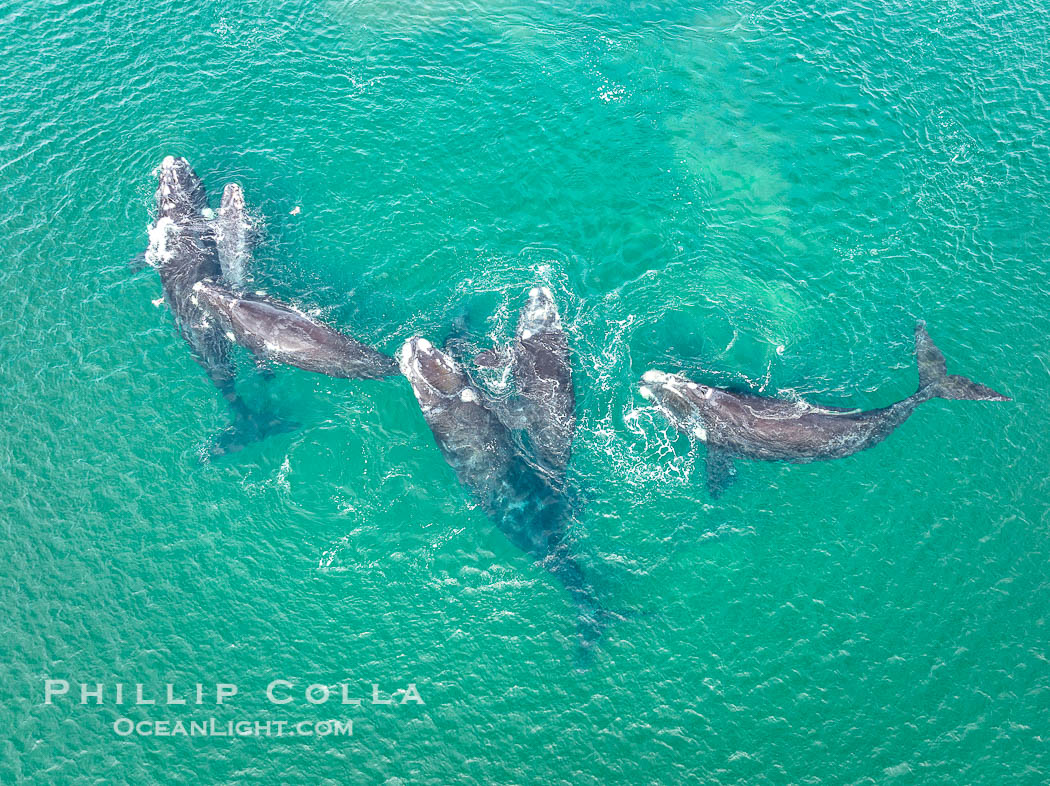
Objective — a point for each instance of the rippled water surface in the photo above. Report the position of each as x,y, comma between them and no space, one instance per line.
766,195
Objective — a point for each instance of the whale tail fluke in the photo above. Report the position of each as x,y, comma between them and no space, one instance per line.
593,620
935,379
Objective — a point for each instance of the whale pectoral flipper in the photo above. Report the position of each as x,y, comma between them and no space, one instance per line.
720,471
138,262
248,427
263,366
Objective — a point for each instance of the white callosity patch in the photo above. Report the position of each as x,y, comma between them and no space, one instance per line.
405,356
700,433
408,361
654,377
467,396
539,313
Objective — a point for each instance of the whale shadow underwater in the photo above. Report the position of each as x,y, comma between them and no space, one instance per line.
742,425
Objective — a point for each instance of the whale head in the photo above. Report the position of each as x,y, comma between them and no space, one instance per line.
232,199
180,192
215,299
681,401
434,376
539,316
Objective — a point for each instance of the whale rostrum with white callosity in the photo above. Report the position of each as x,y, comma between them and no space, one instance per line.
183,251
544,405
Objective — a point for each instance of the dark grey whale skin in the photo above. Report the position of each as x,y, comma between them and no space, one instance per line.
183,252
187,254
523,503
544,379
277,331
545,404
770,429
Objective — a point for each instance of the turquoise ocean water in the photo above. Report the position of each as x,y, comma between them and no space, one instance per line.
759,194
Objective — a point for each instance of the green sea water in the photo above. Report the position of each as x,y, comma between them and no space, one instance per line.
766,195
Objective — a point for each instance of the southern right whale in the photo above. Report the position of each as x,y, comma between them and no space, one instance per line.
771,429
530,510
544,379
277,331
233,235
183,251
538,359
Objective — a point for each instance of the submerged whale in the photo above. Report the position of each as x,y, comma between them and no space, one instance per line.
525,505
279,332
233,235
770,429
183,251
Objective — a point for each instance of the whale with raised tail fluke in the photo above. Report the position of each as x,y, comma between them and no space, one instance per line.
740,425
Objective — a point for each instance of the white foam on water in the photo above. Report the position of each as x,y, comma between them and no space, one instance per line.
158,253
649,460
